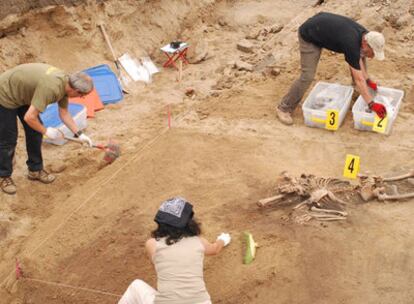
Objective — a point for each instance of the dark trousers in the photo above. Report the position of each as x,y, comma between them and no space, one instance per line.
8,141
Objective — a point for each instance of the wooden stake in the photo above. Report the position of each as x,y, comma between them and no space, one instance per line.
18,270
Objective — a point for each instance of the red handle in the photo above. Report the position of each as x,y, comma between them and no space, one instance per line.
99,146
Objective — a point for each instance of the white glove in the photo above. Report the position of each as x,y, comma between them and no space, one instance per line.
53,134
86,139
225,237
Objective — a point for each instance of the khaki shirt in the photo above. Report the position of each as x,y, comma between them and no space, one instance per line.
180,272
36,84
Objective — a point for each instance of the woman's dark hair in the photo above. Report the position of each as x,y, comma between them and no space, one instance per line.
174,234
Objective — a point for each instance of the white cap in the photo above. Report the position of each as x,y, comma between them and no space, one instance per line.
377,42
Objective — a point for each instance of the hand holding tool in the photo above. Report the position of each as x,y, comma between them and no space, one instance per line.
378,108
225,237
373,85
53,133
85,139
112,150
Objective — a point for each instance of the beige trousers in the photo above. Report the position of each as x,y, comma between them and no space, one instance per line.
309,59
139,292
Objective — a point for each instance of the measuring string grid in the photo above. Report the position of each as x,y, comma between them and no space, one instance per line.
17,267
105,293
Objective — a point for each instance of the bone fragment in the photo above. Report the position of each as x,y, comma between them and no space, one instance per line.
302,218
366,192
265,201
300,205
384,196
394,190
336,218
317,195
342,213
335,199
319,215
399,177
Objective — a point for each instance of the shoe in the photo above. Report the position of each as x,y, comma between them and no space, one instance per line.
284,117
7,185
41,176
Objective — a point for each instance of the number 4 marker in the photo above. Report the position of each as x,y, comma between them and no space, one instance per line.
351,168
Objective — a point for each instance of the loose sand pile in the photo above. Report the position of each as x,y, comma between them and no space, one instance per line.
223,152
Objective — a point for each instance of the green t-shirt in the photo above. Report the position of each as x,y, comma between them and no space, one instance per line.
36,84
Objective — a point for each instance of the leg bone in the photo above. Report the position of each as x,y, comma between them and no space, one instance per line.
265,201
399,177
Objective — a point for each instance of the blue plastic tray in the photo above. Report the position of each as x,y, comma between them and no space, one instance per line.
106,83
50,117
99,69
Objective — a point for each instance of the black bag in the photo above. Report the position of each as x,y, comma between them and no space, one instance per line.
175,44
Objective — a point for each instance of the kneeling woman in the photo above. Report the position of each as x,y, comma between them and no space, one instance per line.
177,252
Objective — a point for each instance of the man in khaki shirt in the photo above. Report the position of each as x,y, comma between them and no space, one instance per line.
25,92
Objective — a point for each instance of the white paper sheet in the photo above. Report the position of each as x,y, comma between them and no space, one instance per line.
134,69
149,65
168,49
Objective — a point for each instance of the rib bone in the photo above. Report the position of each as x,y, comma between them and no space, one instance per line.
336,199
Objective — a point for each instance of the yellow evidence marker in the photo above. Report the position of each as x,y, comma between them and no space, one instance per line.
332,120
250,249
351,168
380,124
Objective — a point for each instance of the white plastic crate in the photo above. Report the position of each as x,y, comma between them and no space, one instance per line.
323,97
80,119
364,118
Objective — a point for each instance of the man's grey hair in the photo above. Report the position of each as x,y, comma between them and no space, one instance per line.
81,82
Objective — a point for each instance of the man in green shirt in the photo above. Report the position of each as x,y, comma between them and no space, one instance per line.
25,92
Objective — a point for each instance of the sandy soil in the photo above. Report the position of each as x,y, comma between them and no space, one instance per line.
224,152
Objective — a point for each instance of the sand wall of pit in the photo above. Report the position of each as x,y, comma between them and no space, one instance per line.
8,7
65,33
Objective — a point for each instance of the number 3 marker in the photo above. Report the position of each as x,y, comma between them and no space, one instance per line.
332,118
351,168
